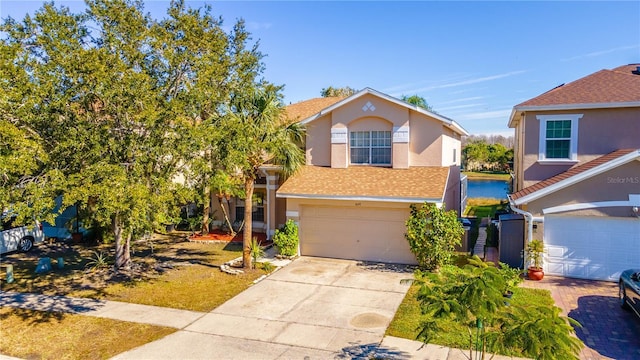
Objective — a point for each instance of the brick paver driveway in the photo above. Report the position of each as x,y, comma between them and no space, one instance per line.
607,331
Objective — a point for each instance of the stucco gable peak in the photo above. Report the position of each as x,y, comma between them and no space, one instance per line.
450,123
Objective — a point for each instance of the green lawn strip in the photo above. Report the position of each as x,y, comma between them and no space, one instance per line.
481,208
31,334
471,175
407,320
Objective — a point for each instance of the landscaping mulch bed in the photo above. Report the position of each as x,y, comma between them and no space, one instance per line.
220,236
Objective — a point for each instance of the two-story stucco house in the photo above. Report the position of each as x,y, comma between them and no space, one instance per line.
368,157
577,173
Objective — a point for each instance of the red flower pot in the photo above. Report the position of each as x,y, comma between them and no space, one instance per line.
535,274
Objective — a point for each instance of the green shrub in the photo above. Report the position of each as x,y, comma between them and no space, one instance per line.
474,295
433,234
510,275
286,239
256,251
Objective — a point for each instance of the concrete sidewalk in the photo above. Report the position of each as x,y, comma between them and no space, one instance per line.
144,314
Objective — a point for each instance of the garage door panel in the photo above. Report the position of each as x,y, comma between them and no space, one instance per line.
591,247
372,234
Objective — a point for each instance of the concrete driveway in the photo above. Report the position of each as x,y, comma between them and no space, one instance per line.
312,308
607,331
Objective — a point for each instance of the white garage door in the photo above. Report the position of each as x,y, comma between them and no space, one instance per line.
371,234
591,247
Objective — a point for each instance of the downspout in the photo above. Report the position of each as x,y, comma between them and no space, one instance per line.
527,216
529,220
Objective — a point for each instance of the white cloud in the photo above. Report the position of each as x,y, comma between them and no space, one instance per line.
473,98
601,52
496,114
468,81
447,108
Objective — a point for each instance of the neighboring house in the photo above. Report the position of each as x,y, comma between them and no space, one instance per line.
577,173
368,157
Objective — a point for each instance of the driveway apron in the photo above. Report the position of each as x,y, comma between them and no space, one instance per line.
607,331
312,308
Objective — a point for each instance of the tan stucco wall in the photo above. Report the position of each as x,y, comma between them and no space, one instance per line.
318,142
425,141
614,185
430,143
600,132
450,143
400,155
452,192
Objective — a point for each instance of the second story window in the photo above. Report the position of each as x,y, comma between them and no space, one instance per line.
558,137
370,147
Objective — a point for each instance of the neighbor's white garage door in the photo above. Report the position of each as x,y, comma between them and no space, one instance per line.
360,233
591,247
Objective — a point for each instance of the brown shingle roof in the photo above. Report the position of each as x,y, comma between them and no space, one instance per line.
304,109
368,181
605,86
571,172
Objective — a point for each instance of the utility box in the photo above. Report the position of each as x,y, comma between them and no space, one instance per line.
511,239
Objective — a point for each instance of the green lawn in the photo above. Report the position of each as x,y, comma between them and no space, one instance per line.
487,175
407,320
481,208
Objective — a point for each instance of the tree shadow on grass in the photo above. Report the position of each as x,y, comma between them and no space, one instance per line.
35,308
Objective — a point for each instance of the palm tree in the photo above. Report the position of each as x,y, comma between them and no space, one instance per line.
257,133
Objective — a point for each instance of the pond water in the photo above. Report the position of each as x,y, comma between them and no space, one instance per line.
496,189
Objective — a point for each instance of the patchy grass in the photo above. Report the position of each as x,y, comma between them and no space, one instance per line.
167,271
196,287
406,323
32,334
487,175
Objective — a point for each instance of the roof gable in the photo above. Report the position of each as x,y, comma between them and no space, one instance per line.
334,103
574,175
620,85
304,109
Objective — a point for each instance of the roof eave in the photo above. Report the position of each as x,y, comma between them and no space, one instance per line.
449,122
581,106
408,200
577,178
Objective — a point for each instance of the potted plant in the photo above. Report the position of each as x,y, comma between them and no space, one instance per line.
535,248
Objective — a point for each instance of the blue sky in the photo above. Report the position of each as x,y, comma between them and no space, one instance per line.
471,61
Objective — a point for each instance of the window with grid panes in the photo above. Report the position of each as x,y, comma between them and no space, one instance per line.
558,139
370,147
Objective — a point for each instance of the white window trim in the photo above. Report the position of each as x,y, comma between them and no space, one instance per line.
573,142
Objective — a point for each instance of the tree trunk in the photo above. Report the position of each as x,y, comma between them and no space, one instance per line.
206,209
246,238
123,253
226,216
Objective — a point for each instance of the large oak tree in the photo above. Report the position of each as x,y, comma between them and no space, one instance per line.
119,102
